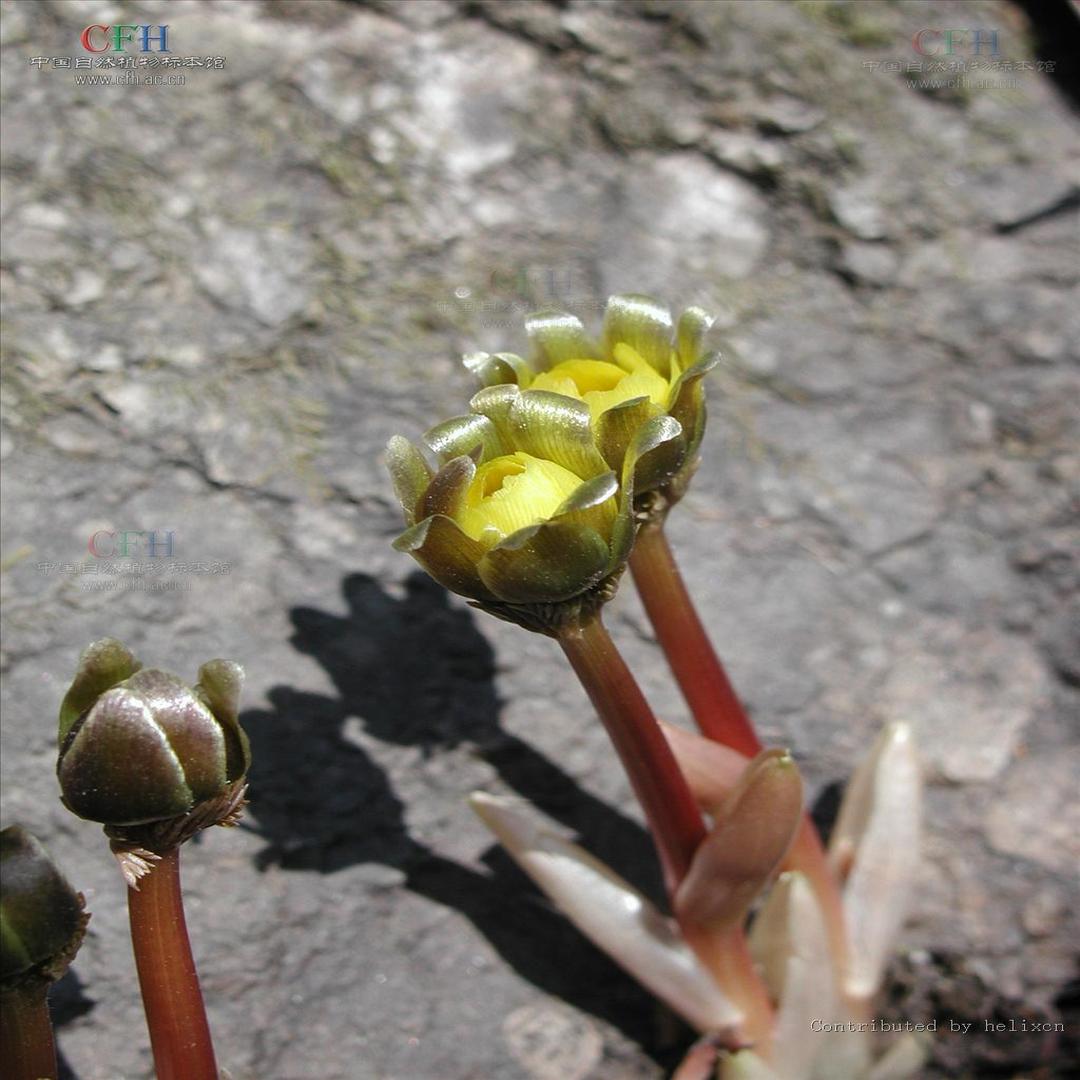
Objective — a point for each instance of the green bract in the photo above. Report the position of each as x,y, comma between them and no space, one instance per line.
146,755
524,515
41,915
644,366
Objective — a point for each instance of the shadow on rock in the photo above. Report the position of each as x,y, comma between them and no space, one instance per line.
67,1003
412,670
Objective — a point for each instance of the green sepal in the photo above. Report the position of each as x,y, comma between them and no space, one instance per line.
644,325
462,435
102,665
557,337
219,686
118,768
591,505
499,368
657,452
447,490
410,474
545,563
617,426
450,556
694,324
688,402
194,736
545,425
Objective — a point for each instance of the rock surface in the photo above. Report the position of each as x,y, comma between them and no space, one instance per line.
222,297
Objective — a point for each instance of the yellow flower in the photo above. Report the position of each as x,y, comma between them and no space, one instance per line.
644,366
523,516
513,492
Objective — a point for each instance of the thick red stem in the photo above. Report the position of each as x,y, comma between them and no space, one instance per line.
716,707
175,1015
661,788
673,815
701,676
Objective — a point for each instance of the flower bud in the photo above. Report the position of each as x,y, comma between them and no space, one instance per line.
152,759
753,831
643,367
523,517
41,916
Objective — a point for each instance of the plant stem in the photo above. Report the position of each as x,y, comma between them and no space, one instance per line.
175,1015
673,815
716,707
726,954
700,674
27,1035
659,784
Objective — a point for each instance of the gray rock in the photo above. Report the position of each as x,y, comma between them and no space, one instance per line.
222,298
868,264
858,209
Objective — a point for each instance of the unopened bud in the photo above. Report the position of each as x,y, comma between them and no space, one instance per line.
41,915
151,758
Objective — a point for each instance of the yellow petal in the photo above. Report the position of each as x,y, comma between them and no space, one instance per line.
512,493
557,384
602,385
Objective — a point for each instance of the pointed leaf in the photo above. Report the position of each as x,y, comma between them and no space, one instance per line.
845,1052
904,1059
410,474
753,831
746,1065
877,836
102,665
644,325
613,915
790,945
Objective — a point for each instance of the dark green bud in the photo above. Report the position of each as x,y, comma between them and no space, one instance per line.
41,915
151,758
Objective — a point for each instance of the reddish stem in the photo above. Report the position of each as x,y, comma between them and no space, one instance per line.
716,707
26,1034
673,815
700,674
175,1015
659,784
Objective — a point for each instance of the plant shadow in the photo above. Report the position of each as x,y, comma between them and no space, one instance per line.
412,670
